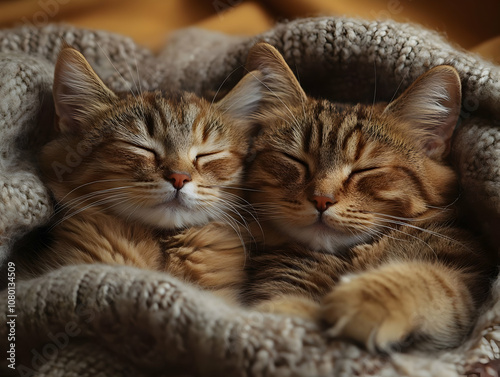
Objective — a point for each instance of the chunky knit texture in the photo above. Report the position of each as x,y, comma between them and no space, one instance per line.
120,321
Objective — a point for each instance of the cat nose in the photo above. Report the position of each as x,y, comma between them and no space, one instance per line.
322,202
179,179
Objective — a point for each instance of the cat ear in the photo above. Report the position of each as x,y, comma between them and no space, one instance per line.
242,102
431,107
280,87
269,86
78,91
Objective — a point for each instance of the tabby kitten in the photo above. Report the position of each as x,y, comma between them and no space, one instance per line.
357,206
146,180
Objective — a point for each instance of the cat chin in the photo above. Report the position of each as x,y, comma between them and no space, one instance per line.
168,217
326,240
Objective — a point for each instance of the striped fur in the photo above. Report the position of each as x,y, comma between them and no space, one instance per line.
110,170
382,263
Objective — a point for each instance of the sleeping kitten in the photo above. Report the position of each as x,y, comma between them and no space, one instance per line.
357,206
149,180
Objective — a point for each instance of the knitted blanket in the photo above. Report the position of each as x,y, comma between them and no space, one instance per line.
96,320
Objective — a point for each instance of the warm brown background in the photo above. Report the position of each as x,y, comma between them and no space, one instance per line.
475,25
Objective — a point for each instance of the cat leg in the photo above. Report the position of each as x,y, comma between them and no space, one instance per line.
426,305
212,257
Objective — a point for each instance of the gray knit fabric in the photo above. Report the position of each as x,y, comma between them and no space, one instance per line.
118,321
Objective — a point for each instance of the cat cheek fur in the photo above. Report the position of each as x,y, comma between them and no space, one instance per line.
113,169
415,278
136,132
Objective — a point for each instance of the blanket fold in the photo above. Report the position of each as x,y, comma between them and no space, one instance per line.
152,323
127,322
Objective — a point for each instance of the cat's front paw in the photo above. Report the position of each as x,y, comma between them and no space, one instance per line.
367,312
211,256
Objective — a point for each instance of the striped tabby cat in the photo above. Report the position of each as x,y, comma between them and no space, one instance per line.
357,206
139,180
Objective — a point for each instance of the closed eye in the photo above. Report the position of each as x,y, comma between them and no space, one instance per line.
297,160
140,149
201,155
359,171
203,158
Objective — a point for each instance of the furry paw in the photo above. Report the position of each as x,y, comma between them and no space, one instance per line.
367,311
212,257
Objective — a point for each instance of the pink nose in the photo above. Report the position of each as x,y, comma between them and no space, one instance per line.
322,202
178,179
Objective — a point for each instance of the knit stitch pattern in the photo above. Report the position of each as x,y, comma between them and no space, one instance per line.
91,320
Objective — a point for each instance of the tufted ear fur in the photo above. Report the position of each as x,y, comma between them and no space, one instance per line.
268,87
279,85
430,108
243,101
78,91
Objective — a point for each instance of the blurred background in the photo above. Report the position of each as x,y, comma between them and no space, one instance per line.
474,25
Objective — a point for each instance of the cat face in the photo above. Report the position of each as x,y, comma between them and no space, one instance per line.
331,176
166,160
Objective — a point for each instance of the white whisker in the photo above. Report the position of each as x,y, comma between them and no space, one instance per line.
125,81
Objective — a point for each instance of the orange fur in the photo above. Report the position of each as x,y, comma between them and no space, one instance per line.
112,170
357,204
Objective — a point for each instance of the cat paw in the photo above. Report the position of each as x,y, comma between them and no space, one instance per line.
367,313
212,256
